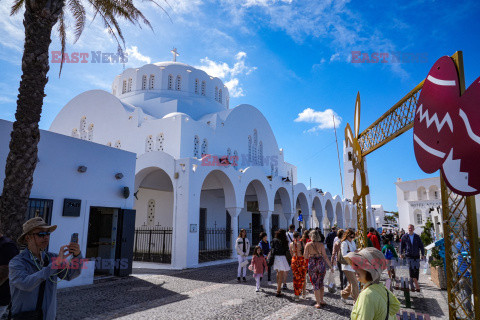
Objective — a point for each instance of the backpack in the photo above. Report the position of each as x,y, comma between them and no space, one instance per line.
388,254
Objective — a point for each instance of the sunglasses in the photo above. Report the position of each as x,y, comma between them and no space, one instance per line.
42,234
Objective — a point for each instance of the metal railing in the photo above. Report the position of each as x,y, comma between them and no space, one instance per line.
153,244
214,244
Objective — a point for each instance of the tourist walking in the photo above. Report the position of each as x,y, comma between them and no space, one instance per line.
265,245
391,256
34,273
242,246
280,264
330,239
347,246
372,236
299,268
410,247
258,266
306,239
317,258
374,302
8,250
334,258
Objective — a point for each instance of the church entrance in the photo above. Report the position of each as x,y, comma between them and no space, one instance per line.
154,202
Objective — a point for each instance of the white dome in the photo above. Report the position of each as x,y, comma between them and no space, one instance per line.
173,114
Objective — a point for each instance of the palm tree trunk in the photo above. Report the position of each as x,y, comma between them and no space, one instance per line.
40,17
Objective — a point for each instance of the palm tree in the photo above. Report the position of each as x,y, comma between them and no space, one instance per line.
39,19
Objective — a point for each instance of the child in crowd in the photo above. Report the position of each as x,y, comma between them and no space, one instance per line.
391,256
265,245
258,266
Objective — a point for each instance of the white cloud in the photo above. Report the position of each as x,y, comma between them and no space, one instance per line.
228,73
323,119
335,57
134,54
264,3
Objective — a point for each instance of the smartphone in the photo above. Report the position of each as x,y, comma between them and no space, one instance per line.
74,238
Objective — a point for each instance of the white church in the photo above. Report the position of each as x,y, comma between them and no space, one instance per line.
202,167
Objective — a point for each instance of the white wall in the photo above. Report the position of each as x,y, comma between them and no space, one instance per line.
56,178
163,207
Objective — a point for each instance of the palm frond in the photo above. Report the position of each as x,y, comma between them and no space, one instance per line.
63,37
78,13
17,5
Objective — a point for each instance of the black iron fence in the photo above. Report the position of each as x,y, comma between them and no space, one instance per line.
153,244
214,244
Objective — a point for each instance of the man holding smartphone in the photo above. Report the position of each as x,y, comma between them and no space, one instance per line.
33,275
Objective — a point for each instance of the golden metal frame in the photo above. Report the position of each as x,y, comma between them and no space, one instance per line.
459,212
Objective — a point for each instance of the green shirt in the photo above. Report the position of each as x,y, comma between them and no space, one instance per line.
372,304
392,249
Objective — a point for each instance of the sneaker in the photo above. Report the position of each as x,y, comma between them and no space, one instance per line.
244,280
257,290
285,286
238,279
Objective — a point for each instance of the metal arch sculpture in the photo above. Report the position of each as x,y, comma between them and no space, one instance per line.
458,203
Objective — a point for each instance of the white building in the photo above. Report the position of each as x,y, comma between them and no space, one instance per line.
417,201
81,187
178,122
379,214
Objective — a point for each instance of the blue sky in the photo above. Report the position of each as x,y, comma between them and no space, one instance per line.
284,57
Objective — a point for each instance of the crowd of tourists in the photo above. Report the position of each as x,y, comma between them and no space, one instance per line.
311,258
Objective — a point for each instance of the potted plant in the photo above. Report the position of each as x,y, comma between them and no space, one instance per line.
437,269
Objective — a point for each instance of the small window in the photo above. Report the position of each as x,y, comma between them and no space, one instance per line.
160,139
170,82
249,149
124,87
419,219
216,93
151,213
204,147
90,132
196,86
436,194
196,143
118,144
204,87
260,153
178,85
220,96
129,85
152,81
109,144
236,159
75,133
149,144
144,82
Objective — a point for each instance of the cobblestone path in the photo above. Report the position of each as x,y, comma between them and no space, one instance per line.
213,293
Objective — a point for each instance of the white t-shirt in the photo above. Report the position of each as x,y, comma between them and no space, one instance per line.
346,247
290,237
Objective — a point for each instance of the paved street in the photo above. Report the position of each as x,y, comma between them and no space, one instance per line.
212,293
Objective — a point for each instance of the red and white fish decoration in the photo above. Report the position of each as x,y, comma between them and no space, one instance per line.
446,130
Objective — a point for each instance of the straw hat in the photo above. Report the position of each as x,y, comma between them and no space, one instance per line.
32,224
369,259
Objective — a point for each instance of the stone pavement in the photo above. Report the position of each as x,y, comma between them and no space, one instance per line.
213,293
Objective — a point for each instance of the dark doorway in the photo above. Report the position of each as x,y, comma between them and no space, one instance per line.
275,224
102,239
125,236
228,227
256,228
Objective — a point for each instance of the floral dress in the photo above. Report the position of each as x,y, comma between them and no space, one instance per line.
299,269
317,270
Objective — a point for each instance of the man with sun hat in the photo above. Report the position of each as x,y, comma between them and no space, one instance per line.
34,273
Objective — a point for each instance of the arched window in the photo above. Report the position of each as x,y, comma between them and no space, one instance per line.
204,87
124,86
83,123
196,143
170,82
236,160
149,144
260,153
204,147
421,193
152,81
151,213
216,93
118,144
249,149
433,193
196,86
178,85
160,139
129,85
144,82
220,96
90,132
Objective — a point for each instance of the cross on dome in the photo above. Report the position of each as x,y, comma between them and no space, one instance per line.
175,54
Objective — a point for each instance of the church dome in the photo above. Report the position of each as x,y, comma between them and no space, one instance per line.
172,80
174,114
